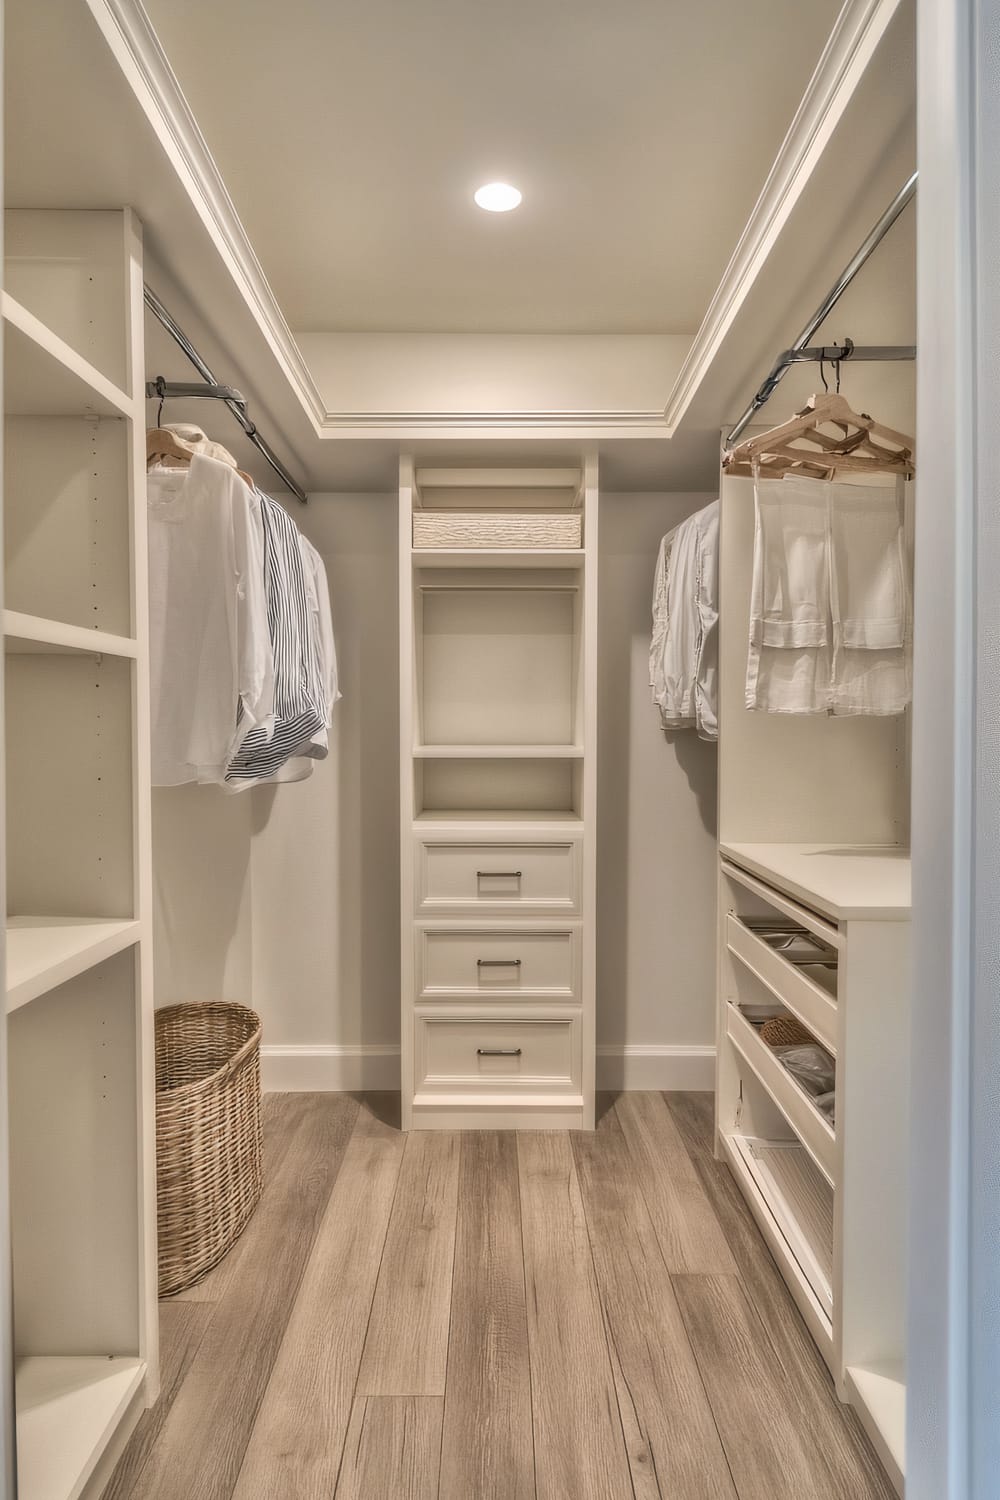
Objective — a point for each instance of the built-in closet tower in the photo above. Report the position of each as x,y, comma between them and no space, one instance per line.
78,962
498,671
814,913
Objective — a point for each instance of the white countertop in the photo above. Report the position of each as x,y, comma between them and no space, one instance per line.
845,882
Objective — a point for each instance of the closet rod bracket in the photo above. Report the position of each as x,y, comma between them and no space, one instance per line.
800,352
210,390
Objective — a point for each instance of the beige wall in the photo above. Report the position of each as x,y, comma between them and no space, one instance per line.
492,372
287,897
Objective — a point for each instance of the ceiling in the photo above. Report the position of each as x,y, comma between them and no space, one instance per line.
352,134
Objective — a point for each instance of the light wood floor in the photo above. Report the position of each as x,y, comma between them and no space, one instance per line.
494,1317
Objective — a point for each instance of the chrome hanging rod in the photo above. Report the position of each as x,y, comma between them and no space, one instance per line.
211,391
800,352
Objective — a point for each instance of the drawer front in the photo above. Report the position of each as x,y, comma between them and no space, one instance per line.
503,1055
806,998
465,878
463,963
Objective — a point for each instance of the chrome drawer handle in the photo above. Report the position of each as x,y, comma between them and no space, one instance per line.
498,1052
498,963
498,875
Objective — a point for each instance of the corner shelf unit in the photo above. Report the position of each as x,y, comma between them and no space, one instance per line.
79,1035
498,669
814,928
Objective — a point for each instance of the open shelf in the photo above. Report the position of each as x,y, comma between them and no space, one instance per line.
880,1392
67,537
68,1409
43,952
31,634
498,557
868,882
504,818
498,752
44,376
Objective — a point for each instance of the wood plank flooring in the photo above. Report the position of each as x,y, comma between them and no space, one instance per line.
491,1316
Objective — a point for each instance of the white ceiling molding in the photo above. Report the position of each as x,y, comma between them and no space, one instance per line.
127,29
133,41
853,43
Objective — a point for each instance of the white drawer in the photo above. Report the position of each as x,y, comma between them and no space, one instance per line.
809,993
462,878
487,963
455,1054
812,1128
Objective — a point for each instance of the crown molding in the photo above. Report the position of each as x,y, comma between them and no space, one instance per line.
853,42
130,35
419,421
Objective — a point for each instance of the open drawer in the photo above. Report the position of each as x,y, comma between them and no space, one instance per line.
796,966
810,1126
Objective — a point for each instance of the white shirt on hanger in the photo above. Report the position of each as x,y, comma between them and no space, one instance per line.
210,651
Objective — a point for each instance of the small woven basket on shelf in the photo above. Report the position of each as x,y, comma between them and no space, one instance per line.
208,1135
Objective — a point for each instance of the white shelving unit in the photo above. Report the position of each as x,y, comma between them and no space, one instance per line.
498,796
77,841
811,842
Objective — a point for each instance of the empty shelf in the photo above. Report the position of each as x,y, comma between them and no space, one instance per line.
34,634
801,1201
43,376
840,881
881,1393
498,752
68,1410
498,557
43,952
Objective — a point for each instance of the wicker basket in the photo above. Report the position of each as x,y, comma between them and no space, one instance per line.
498,529
208,1135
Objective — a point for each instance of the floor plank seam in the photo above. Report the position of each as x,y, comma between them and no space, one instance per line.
368,1321
604,1315
524,1278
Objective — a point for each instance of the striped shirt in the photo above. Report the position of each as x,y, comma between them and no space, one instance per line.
300,701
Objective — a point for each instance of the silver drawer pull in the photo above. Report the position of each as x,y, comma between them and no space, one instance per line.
498,963
498,875
498,1052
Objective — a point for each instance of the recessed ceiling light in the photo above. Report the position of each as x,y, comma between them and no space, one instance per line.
498,197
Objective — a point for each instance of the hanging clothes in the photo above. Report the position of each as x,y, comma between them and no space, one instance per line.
211,660
831,601
301,713
683,656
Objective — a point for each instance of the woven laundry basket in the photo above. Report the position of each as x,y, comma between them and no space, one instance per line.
208,1135
498,529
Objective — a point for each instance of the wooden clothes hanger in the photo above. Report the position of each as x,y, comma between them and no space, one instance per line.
162,444
861,446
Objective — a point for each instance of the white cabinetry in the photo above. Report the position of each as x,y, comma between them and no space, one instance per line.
814,928
78,962
498,778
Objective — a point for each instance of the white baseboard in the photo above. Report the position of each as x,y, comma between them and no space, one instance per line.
328,1069
333,1069
685,1069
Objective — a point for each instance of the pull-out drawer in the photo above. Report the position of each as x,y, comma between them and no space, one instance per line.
477,963
464,878
455,1054
811,1127
808,990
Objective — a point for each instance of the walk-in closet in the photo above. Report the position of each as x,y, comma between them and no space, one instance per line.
499,751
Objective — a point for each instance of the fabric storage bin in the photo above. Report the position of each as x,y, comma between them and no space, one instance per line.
497,529
208,1135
